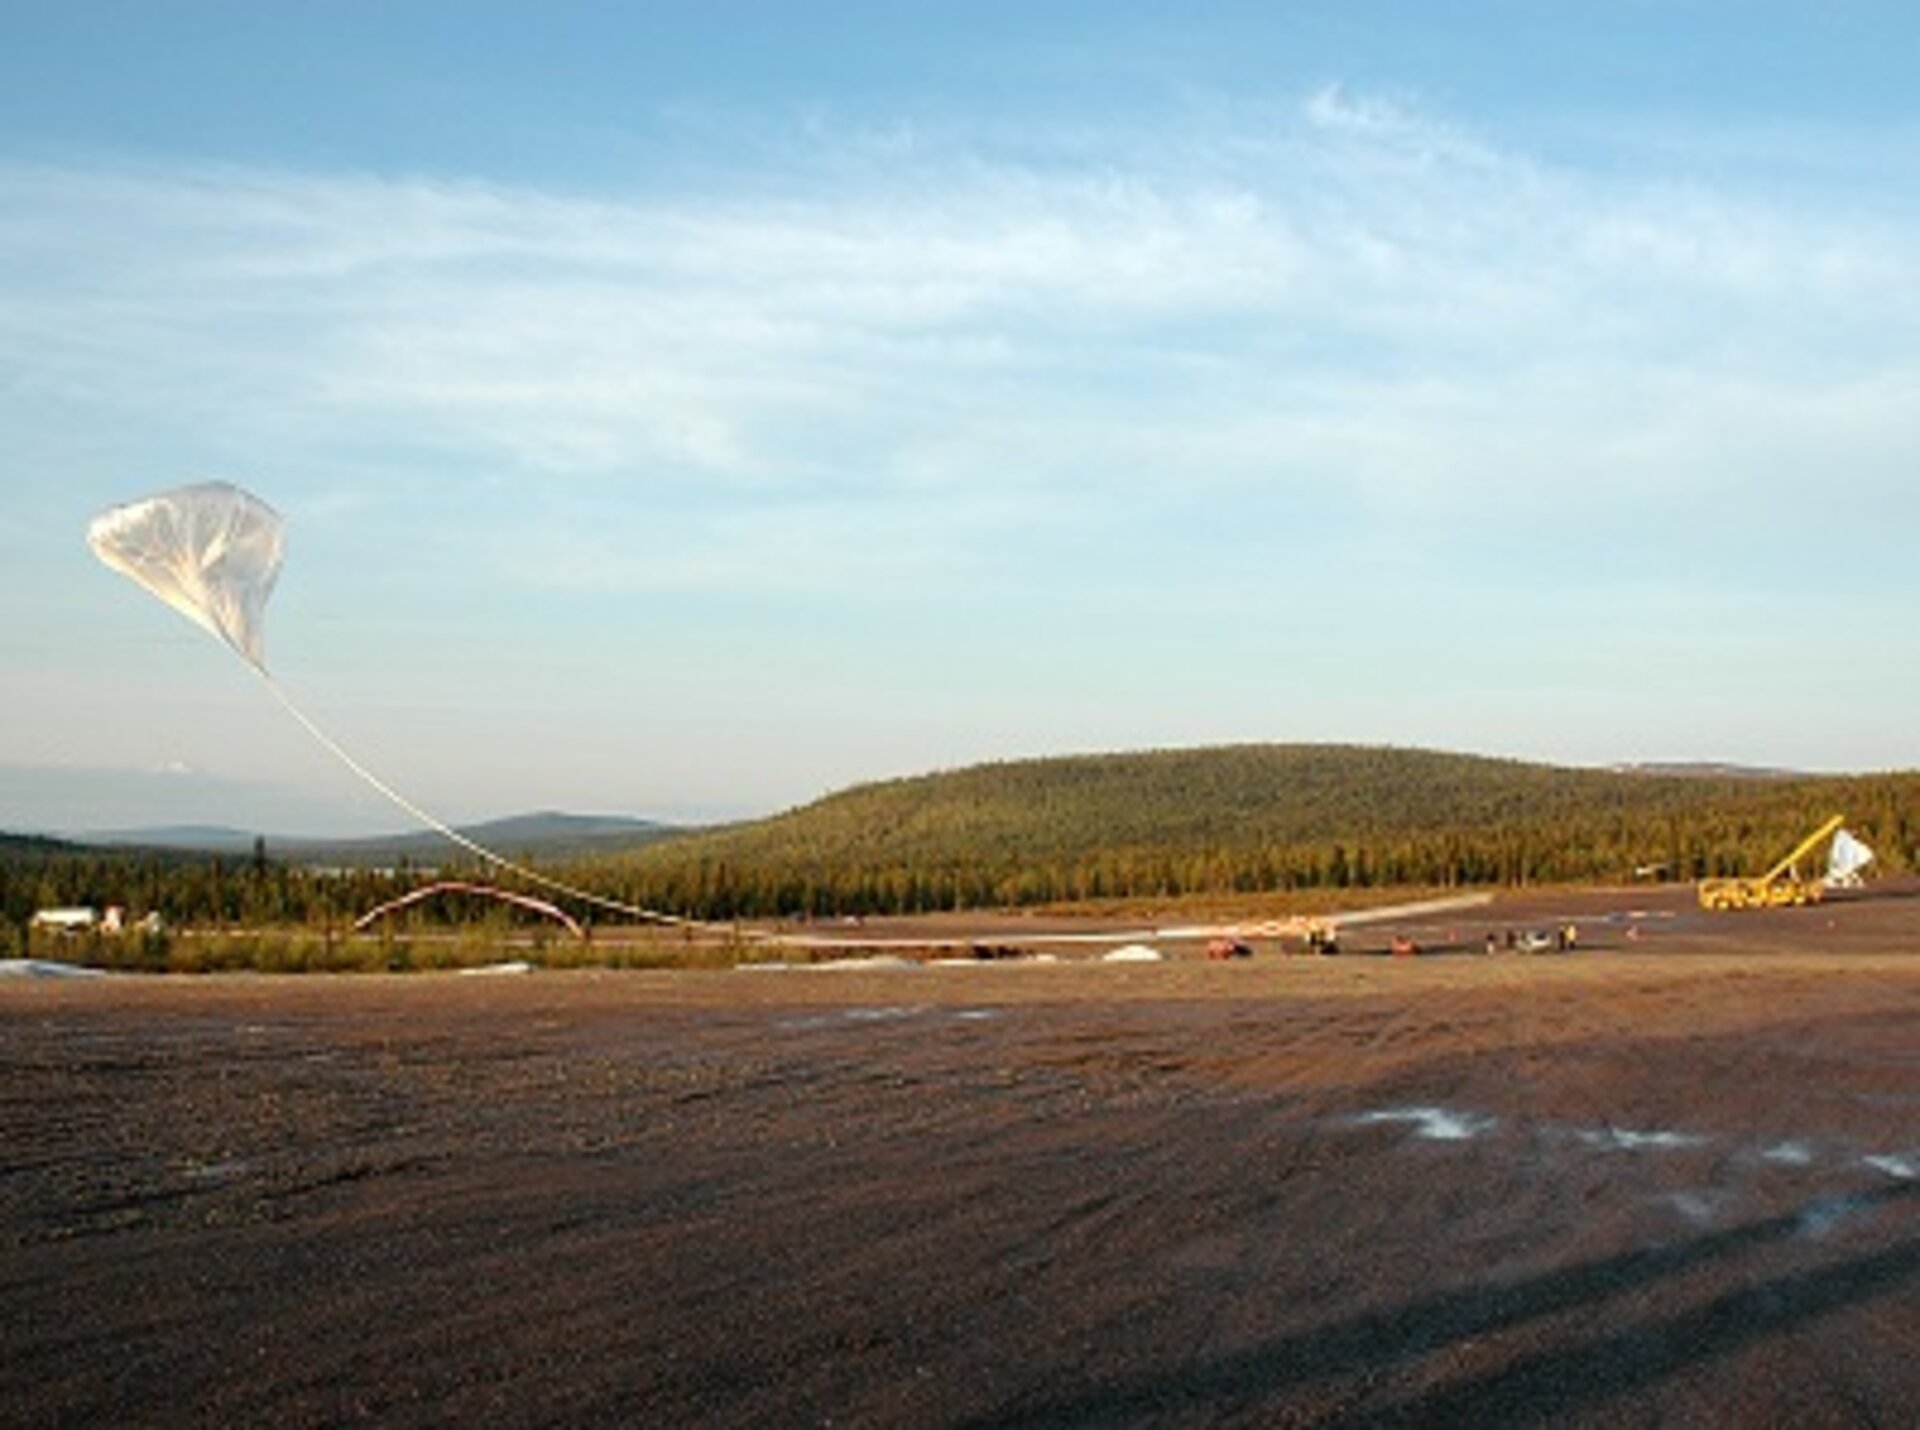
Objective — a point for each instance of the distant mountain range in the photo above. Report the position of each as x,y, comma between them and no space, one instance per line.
1707,770
546,835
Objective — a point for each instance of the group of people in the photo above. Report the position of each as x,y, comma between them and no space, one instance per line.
1564,939
1322,938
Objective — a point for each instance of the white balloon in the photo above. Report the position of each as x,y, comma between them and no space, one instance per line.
211,551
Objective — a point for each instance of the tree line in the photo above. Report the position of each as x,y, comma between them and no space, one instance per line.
1241,821
710,885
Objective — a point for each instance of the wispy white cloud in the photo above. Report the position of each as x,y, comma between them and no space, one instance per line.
1354,304
1396,127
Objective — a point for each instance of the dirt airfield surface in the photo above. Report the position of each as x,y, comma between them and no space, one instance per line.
1670,1178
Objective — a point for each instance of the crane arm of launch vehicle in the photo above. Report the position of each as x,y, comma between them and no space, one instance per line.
1779,886
1803,849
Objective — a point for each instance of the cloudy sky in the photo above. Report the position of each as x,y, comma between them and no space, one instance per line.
685,410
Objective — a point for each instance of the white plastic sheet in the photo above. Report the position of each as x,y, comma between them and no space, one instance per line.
1848,858
211,551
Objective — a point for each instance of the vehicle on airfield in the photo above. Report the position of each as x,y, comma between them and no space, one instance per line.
1783,886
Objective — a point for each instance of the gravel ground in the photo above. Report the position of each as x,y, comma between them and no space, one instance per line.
1671,1178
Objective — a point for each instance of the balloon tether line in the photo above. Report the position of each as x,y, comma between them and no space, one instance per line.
440,826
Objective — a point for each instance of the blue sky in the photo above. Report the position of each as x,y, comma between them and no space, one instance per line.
685,410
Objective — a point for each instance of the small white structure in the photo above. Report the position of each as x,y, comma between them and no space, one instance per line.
74,920
1134,953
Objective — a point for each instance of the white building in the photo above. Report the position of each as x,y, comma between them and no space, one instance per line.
73,920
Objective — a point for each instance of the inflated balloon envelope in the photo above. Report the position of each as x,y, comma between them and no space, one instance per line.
210,551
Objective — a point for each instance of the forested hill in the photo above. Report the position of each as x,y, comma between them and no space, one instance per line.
1231,822
34,848
1247,818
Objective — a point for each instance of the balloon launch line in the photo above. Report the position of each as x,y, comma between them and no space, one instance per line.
440,826
212,552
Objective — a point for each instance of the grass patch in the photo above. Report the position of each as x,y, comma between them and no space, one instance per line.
303,950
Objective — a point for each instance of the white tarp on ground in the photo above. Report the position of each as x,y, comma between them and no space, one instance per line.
1133,953
45,968
881,962
1848,858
